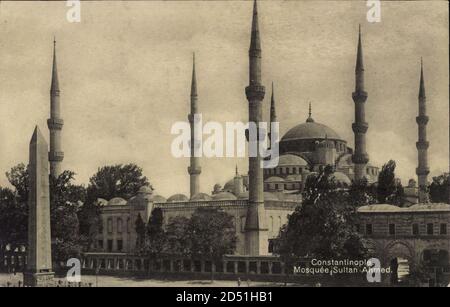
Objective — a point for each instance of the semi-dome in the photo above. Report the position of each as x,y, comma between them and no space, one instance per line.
229,186
310,130
201,197
117,201
177,198
145,190
224,196
291,160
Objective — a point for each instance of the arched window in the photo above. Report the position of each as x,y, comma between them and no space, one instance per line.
242,223
119,225
110,225
128,225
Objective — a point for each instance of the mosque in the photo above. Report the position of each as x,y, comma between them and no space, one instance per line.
261,200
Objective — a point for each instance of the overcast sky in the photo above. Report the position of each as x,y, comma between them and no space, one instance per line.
125,75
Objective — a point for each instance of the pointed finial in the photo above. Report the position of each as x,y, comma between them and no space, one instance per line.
273,112
422,81
310,119
237,172
54,88
194,77
255,43
273,97
359,56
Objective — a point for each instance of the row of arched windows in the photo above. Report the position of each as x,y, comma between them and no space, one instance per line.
288,170
117,227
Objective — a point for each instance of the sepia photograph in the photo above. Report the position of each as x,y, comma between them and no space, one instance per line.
210,146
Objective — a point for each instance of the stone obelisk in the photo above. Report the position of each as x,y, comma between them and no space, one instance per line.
39,257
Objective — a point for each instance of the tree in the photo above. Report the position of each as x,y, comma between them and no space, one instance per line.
18,178
389,189
65,199
361,193
109,182
439,188
211,234
116,181
140,231
156,239
177,236
324,226
13,220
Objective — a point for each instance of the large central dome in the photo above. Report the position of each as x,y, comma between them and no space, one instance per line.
310,130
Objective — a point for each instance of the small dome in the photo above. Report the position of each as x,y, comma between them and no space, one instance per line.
217,188
429,206
201,197
158,199
145,190
270,196
274,179
379,208
341,178
224,196
229,186
243,195
102,202
177,198
117,201
291,160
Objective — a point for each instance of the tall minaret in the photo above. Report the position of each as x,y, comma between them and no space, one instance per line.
422,144
55,122
194,169
256,238
273,113
360,126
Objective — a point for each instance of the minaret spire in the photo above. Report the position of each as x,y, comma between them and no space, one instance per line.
55,122
194,78
359,68
194,169
55,82
256,237
360,157
310,119
422,144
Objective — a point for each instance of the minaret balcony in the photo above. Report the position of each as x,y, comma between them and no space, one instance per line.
360,158
360,127
422,119
422,171
422,145
359,96
255,92
254,52
55,123
55,156
194,170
